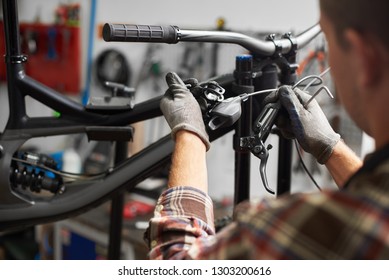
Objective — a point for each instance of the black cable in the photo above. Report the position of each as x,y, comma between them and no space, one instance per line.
305,167
74,176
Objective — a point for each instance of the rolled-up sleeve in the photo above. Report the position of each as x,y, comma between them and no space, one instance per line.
182,215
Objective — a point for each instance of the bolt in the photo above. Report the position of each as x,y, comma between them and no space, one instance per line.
1,151
62,189
257,149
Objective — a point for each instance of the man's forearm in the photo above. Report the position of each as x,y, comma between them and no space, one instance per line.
343,163
189,162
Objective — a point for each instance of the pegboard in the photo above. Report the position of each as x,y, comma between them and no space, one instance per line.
53,53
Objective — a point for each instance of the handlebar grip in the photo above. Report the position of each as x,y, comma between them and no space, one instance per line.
140,33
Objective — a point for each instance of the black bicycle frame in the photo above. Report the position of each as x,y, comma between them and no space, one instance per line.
18,209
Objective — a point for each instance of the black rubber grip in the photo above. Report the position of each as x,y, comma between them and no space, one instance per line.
140,33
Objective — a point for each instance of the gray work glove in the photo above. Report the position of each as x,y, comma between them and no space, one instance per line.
309,126
181,109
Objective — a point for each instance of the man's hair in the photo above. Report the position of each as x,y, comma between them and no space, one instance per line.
365,16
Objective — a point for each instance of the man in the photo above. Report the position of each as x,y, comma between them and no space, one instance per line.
351,223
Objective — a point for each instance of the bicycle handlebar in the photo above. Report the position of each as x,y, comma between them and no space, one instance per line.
172,34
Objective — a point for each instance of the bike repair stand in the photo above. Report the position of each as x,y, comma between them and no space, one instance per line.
243,84
117,204
121,97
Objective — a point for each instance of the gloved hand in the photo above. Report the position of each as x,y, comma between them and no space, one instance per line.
181,109
308,125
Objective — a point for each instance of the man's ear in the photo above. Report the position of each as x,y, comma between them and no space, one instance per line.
367,57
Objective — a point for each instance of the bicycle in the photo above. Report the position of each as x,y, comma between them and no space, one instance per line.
24,176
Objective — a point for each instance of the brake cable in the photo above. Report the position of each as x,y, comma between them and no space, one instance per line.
227,111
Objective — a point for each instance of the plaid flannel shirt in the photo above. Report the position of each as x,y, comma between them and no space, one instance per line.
351,223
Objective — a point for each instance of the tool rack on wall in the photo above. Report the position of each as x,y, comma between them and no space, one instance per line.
53,53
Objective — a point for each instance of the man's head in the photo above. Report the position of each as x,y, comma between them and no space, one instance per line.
358,42
365,16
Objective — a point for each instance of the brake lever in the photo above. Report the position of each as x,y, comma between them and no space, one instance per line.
225,112
263,156
217,111
228,111
262,127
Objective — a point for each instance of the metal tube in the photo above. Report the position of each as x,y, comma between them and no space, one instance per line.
117,204
258,47
13,60
243,84
11,28
284,174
